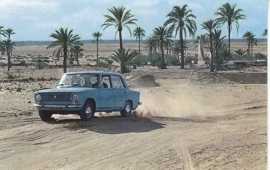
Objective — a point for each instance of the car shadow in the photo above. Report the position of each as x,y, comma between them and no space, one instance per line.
110,125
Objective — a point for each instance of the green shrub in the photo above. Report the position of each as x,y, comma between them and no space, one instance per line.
103,64
257,56
139,60
189,59
154,59
242,57
40,64
171,60
9,75
23,63
260,56
240,52
109,61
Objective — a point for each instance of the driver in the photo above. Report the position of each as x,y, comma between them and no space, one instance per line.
102,84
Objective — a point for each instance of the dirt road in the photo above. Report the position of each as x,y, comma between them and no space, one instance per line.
237,141
195,127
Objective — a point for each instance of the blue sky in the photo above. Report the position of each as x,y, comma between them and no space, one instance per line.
35,20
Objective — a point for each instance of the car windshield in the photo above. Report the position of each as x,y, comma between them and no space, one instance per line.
81,80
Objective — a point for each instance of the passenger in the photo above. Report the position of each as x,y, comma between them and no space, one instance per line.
102,84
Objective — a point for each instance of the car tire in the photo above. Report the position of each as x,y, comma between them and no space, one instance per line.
87,111
126,112
45,115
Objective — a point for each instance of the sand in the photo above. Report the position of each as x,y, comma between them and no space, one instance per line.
190,119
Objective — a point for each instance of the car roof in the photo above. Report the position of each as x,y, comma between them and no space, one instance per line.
94,72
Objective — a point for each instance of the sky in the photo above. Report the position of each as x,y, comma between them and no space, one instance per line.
35,20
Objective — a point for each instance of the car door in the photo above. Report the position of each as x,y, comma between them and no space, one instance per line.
107,95
120,91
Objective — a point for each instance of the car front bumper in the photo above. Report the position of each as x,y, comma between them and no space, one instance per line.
57,106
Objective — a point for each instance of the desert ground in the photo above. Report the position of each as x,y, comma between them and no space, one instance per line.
189,119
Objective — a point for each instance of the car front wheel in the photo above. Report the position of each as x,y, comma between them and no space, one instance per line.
87,111
45,115
126,112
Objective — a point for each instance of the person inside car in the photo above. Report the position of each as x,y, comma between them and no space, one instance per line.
101,83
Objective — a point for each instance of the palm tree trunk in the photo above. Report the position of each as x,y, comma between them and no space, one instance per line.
9,65
77,59
248,48
162,55
65,60
139,45
122,68
229,36
151,55
120,38
97,52
182,48
217,57
211,52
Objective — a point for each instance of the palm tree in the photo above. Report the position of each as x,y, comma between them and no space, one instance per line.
64,40
218,42
228,14
8,45
264,32
168,44
77,51
119,20
181,19
9,32
250,39
210,26
239,52
150,43
139,33
177,48
162,33
203,38
123,57
97,39
2,32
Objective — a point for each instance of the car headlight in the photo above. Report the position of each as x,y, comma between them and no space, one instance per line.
38,97
74,98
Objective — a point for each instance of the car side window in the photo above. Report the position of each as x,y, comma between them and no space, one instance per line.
106,81
93,80
117,82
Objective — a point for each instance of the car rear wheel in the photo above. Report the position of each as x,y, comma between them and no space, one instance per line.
45,115
87,111
126,112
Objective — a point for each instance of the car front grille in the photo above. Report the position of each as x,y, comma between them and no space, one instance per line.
56,97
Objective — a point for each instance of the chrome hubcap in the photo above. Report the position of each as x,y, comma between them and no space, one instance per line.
127,108
88,111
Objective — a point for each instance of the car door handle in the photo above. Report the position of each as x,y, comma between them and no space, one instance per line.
127,91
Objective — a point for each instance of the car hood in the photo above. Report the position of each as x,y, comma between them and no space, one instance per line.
65,89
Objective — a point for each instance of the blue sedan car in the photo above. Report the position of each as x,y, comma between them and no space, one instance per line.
85,93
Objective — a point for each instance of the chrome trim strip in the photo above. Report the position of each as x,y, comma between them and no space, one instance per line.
58,106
